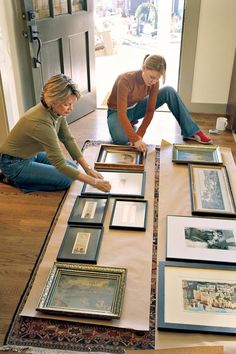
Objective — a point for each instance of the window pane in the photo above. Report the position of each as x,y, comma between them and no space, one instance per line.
41,8
78,5
60,7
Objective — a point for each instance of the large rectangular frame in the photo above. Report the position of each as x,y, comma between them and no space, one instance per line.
88,211
83,290
119,157
211,191
129,214
183,153
80,244
123,184
201,239
203,301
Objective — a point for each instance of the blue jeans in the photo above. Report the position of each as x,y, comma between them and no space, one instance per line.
166,95
35,174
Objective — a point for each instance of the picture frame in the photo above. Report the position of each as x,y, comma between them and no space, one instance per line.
80,244
88,211
123,184
204,297
211,191
185,153
201,239
84,291
119,157
129,214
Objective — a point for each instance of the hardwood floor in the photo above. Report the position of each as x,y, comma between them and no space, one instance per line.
26,218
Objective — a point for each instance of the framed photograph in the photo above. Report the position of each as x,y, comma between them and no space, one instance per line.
119,157
88,211
123,184
197,297
80,244
84,290
129,214
210,191
209,155
201,239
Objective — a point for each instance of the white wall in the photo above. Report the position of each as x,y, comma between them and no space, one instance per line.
215,51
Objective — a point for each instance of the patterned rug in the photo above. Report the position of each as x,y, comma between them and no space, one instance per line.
71,336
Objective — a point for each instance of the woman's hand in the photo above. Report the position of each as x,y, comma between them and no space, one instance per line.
93,173
102,185
140,145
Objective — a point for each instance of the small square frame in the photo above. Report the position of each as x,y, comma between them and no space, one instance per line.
209,155
84,291
119,157
211,191
80,244
129,214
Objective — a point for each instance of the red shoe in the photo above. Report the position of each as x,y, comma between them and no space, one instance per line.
201,138
133,122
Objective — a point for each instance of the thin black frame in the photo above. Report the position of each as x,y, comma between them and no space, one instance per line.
196,194
125,225
169,326
212,153
98,214
90,245
95,192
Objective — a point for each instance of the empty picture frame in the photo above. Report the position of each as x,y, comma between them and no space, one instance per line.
123,184
204,297
88,211
84,290
119,157
211,191
201,239
209,155
129,214
80,244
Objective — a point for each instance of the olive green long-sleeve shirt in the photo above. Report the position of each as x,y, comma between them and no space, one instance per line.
41,130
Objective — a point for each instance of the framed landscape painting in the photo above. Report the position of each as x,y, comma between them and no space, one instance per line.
201,239
84,290
211,191
80,244
119,157
123,184
197,297
184,153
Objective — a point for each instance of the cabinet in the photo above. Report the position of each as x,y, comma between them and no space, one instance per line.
231,105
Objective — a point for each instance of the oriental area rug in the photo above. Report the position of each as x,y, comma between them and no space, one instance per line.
73,336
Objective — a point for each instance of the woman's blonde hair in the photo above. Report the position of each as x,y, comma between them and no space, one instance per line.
58,88
157,63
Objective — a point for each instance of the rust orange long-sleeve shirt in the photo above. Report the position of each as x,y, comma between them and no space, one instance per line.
130,88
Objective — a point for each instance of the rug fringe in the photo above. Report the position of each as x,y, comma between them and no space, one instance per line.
31,350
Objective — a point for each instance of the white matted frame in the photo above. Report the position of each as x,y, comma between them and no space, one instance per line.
201,239
197,297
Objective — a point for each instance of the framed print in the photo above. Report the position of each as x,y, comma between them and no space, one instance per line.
210,191
201,239
204,297
123,184
88,211
119,157
209,155
80,244
129,214
84,290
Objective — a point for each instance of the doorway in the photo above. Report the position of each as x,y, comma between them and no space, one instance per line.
127,30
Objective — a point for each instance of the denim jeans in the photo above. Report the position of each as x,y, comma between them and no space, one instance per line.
166,95
35,174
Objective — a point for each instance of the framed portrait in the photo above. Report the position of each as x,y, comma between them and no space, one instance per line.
123,184
84,290
197,297
119,157
129,214
211,191
209,155
201,239
88,211
80,244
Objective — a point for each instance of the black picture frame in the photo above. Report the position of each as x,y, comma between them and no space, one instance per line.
130,184
88,210
129,214
80,244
